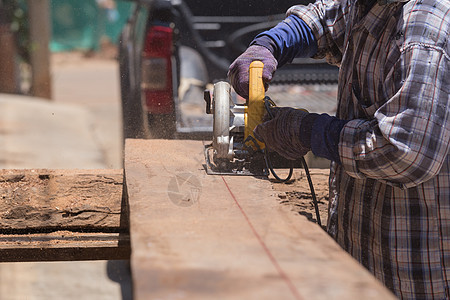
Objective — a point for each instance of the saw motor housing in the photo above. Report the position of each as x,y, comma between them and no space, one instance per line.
234,150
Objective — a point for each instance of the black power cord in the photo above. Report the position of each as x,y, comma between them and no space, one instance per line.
269,166
268,103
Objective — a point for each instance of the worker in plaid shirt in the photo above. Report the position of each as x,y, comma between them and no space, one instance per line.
389,142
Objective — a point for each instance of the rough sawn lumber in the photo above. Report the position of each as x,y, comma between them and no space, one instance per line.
195,236
62,215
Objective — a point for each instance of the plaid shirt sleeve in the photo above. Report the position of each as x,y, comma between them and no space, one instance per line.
408,140
327,20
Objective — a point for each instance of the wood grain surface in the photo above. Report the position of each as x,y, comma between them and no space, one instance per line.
195,236
62,215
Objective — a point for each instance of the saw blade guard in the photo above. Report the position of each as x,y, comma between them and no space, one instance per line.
222,142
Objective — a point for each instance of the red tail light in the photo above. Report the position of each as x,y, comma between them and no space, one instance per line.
156,84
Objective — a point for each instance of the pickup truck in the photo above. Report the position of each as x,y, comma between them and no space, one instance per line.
171,50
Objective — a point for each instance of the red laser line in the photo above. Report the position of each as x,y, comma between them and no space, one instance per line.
282,274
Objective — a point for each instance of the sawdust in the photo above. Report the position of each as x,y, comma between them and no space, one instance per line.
297,194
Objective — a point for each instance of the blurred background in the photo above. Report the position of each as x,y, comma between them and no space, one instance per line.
60,109
86,26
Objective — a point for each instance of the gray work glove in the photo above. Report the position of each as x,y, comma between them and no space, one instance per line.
238,72
282,132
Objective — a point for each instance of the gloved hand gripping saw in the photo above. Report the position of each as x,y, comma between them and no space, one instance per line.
260,109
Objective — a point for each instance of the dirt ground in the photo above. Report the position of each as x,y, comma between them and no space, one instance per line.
297,194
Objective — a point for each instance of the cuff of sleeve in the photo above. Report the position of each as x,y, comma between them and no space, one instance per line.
346,147
325,136
306,129
266,42
350,146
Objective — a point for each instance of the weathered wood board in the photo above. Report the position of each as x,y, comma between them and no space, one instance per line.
50,215
195,236
37,199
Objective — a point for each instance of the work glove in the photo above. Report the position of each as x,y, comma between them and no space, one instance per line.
238,72
283,134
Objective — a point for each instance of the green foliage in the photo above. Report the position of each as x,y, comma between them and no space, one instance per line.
76,24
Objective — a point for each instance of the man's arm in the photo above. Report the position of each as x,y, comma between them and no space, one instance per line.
291,38
408,141
316,31
306,32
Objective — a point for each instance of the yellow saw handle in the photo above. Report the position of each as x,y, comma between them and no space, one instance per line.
255,108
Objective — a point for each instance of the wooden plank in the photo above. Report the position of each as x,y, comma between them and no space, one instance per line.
58,215
195,236
37,200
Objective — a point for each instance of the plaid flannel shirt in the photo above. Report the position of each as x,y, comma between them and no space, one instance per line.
390,198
